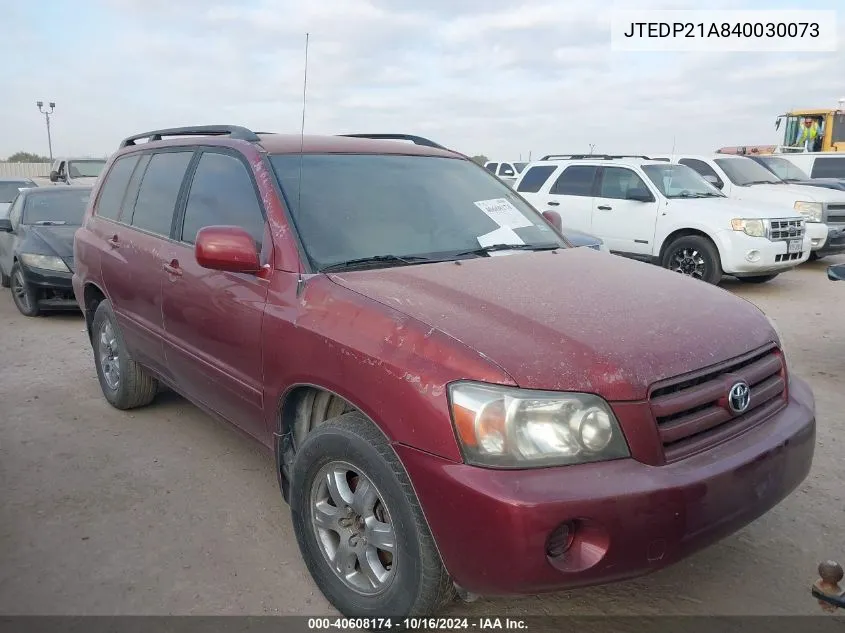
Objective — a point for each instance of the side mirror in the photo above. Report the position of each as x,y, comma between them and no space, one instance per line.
228,248
54,176
640,195
834,273
553,218
714,181
5,225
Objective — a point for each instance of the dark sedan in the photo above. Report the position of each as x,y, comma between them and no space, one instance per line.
36,247
786,170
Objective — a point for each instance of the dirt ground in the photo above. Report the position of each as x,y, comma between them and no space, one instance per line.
165,511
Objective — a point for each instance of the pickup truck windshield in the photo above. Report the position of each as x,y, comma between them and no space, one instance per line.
85,168
783,168
680,181
356,206
744,171
59,207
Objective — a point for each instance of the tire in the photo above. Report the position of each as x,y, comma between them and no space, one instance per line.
415,581
758,279
25,298
5,281
814,256
131,386
694,256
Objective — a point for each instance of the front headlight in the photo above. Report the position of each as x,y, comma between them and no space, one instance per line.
812,211
754,228
45,262
506,427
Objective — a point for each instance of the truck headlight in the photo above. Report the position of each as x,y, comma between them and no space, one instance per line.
45,262
812,211
506,427
754,228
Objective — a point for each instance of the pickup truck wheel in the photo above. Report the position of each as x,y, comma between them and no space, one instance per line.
359,525
758,279
125,383
24,296
694,256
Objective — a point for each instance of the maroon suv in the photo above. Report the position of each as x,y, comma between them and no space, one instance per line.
456,398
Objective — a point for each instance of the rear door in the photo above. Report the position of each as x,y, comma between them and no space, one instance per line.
212,319
625,225
133,260
570,194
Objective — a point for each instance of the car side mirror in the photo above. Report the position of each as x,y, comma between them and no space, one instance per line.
227,248
5,225
553,218
714,181
640,195
54,176
836,272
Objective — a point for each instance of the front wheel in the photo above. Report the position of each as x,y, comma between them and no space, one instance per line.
814,256
360,527
695,256
758,279
24,296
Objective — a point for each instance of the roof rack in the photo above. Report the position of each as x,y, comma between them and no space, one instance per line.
232,131
591,156
417,140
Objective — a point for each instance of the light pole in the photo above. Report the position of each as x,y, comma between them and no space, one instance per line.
47,113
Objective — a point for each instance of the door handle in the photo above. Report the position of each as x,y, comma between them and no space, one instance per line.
604,207
553,204
173,268
114,242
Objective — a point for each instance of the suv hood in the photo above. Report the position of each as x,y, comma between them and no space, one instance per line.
793,192
574,319
713,208
830,183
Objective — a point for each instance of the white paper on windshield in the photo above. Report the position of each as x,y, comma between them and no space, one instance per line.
502,235
503,213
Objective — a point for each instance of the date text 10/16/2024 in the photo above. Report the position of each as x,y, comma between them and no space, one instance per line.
424,624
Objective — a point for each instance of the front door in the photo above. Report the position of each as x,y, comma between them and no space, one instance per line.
212,319
624,212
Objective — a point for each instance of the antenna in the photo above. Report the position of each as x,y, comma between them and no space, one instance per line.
302,127
592,147
673,147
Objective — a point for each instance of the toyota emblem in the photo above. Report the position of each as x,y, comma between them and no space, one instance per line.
739,397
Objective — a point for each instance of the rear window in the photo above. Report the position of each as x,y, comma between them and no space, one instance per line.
114,188
60,207
9,189
829,168
535,178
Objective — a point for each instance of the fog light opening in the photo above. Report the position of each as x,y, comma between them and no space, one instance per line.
753,256
815,241
560,540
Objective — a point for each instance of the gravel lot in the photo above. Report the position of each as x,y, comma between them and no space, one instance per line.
165,511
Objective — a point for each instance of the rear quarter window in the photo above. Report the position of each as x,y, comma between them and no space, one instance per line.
535,178
828,168
114,187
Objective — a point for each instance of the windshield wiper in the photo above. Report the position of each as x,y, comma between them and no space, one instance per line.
698,194
49,223
377,259
762,182
484,250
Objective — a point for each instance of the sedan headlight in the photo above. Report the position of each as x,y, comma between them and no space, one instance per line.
812,211
754,228
505,427
45,262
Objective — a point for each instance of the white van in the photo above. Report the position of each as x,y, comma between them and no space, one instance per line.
818,164
667,215
741,178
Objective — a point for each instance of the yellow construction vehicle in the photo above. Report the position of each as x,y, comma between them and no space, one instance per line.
830,125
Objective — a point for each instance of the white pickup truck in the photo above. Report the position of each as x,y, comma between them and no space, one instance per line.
76,171
668,215
741,178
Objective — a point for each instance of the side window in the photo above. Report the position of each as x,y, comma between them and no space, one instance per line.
837,135
535,178
506,170
61,168
703,169
576,180
222,193
491,167
825,167
114,187
618,182
159,192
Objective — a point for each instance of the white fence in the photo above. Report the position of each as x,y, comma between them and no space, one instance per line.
25,170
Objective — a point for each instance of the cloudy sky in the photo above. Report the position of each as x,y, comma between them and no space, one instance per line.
499,77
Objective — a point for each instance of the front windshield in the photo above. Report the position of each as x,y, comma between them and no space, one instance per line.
355,206
61,207
9,189
680,181
85,168
744,171
519,167
783,168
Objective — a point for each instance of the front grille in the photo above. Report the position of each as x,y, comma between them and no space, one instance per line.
788,257
692,412
786,230
836,219
836,207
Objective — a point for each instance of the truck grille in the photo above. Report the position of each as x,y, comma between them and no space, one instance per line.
693,413
786,230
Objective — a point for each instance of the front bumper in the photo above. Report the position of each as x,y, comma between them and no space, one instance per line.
744,255
53,289
492,526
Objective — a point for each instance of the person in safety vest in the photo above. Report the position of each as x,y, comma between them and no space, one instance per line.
808,134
